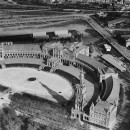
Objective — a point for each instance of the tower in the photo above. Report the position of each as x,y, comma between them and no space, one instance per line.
79,93
79,98
77,111
81,78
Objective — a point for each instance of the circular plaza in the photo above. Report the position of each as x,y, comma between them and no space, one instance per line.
39,83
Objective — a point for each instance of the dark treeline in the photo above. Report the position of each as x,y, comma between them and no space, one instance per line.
16,38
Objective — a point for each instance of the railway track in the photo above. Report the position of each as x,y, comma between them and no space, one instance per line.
106,35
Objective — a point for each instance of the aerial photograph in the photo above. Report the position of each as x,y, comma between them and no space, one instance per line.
64,64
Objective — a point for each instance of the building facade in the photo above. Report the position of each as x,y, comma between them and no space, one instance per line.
101,112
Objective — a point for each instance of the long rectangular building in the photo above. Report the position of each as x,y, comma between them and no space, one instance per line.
114,62
91,62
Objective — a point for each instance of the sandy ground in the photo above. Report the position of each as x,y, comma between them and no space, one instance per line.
16,78
79,28
61,25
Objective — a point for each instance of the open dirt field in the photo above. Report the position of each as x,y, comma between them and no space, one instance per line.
39,83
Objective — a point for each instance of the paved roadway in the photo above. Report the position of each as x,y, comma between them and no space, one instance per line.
106,35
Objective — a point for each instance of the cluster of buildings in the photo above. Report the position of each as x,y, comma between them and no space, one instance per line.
114,23
101,111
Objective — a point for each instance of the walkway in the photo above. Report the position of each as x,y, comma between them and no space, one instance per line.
76,72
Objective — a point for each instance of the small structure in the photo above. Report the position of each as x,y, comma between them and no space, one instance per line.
63,34
40,36
90,62
20,50
128,43
115,62
53,62
107,48
67,54
82,50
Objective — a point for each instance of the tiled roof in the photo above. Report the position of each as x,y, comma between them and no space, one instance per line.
22,47
60,32
21,60
109,70
53,59
64,35
94,63
80,48
114,61
66,51
40,35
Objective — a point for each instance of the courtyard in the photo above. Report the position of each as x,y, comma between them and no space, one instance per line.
39,83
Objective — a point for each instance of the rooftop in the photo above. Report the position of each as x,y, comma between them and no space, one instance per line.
117,20
102,106
53,59
114,61
64,35
94,63
61,32
40,35
66,51
108,70
54,45
22,47
21,60
80,48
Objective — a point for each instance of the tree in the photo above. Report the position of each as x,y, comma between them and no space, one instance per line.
9,120
33,126
120,39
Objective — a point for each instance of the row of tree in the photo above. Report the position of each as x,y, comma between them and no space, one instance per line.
45,111
120,39
10,121
41,109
